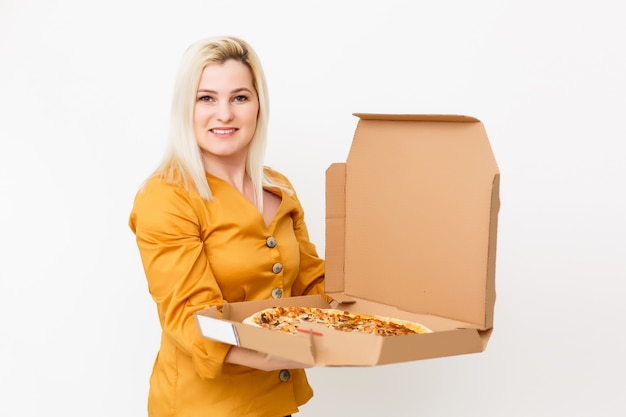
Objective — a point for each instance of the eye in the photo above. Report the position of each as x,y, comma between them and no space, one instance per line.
205,98
240,99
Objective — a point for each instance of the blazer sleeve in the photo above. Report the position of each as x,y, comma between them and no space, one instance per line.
164,219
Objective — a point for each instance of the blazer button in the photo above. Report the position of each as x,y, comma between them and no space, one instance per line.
270,242
277,268
277,293
284,375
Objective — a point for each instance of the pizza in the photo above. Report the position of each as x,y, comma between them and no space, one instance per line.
289,319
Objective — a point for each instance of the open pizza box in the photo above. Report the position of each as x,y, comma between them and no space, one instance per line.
411,225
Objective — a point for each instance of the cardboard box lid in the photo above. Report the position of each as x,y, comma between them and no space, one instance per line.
412,217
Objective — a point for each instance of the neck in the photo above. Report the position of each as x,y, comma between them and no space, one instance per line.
231,170
236,178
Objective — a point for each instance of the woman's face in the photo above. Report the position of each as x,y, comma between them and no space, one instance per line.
225,113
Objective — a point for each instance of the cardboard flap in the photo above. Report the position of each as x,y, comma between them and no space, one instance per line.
343,348
283,345
220,330
420,216
431,345
417,117
335,228
485,335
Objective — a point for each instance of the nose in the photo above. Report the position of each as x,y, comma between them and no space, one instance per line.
224,111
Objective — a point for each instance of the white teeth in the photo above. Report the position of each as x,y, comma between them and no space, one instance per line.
223,131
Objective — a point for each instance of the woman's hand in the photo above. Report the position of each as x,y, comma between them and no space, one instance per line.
261,361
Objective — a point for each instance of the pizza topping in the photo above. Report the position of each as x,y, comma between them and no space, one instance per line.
288,319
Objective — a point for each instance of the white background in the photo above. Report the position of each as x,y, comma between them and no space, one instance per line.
85,92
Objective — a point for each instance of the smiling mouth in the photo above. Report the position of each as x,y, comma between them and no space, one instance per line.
223,131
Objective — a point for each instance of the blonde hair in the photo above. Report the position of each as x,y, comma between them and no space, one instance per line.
182,163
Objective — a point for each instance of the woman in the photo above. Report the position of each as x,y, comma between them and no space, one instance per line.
214,226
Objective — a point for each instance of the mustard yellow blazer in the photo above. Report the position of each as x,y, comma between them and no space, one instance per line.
196,254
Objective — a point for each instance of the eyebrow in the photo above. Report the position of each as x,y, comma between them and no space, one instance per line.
236,90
